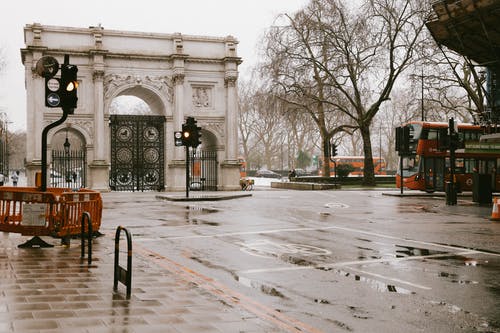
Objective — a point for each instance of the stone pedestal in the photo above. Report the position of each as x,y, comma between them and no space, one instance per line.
98,178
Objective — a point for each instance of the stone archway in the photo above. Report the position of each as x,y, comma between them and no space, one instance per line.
204,162
176,75
68,159
137,135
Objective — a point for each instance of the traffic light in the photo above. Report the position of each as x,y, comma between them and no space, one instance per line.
406,139
69,86
197,135
191,133
443,139
334,149
403,140
186,135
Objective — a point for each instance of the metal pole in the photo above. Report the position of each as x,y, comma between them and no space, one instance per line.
452,200
401,172
66,112
422,95
44,147
187,171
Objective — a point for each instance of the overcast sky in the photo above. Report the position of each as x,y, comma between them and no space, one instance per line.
244,19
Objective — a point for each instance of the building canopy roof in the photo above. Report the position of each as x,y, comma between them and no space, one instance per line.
469,27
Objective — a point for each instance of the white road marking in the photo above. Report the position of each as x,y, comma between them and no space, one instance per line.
358,231
391,279
347,265
354,263
336,205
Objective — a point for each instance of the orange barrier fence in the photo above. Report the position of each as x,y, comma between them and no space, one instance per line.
56,212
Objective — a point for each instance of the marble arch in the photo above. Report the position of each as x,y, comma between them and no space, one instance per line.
176,75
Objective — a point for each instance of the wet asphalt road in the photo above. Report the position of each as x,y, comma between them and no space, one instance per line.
332,261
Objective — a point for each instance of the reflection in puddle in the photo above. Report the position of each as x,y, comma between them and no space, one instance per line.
375,284
268,290
187,215
410,251
455,278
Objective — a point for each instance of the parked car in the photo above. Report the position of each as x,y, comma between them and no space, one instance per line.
267,174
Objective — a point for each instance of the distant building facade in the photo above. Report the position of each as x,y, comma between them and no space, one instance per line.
177,76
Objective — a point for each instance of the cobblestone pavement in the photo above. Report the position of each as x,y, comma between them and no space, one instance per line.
54,290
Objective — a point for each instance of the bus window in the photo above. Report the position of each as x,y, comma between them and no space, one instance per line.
415,131
433,134
470,165
459,165
410,165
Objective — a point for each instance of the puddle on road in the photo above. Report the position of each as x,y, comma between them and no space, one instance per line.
455,278
411,251
416,208
188,215
371,282
173,216
268,290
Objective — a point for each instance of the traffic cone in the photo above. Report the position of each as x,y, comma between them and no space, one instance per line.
495,213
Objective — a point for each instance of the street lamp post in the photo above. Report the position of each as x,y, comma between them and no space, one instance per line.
422,94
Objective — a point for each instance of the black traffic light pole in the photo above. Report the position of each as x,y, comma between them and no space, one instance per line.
403,148
66,112
187,171
190,137
44,147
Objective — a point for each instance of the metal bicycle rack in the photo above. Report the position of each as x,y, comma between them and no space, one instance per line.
120,274
86,216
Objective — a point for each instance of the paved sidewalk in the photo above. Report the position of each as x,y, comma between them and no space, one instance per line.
54,290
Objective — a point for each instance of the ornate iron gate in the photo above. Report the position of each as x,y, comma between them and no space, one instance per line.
68,169
203,170
137,153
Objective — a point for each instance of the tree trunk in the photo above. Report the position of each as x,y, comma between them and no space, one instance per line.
326,156
368,171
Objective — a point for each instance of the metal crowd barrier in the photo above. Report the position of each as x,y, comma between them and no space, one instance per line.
55,212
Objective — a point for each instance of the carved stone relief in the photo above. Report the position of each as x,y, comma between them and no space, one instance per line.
161,83
215,127
202,97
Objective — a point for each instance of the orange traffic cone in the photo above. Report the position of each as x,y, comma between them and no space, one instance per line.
495,213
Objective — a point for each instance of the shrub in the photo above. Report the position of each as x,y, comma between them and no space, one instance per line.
343,170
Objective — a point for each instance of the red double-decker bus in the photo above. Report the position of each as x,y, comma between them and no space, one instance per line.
427,168
358,164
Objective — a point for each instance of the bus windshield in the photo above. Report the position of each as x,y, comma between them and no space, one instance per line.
410,165
415,131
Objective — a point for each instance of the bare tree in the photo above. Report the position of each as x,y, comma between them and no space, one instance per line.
300,133
268,127
333,59
247,117
454,85
296,77
16,149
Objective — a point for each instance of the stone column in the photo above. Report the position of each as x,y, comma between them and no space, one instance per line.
178,114
178,58
99,140
99,166
231,118
230,166
35,122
